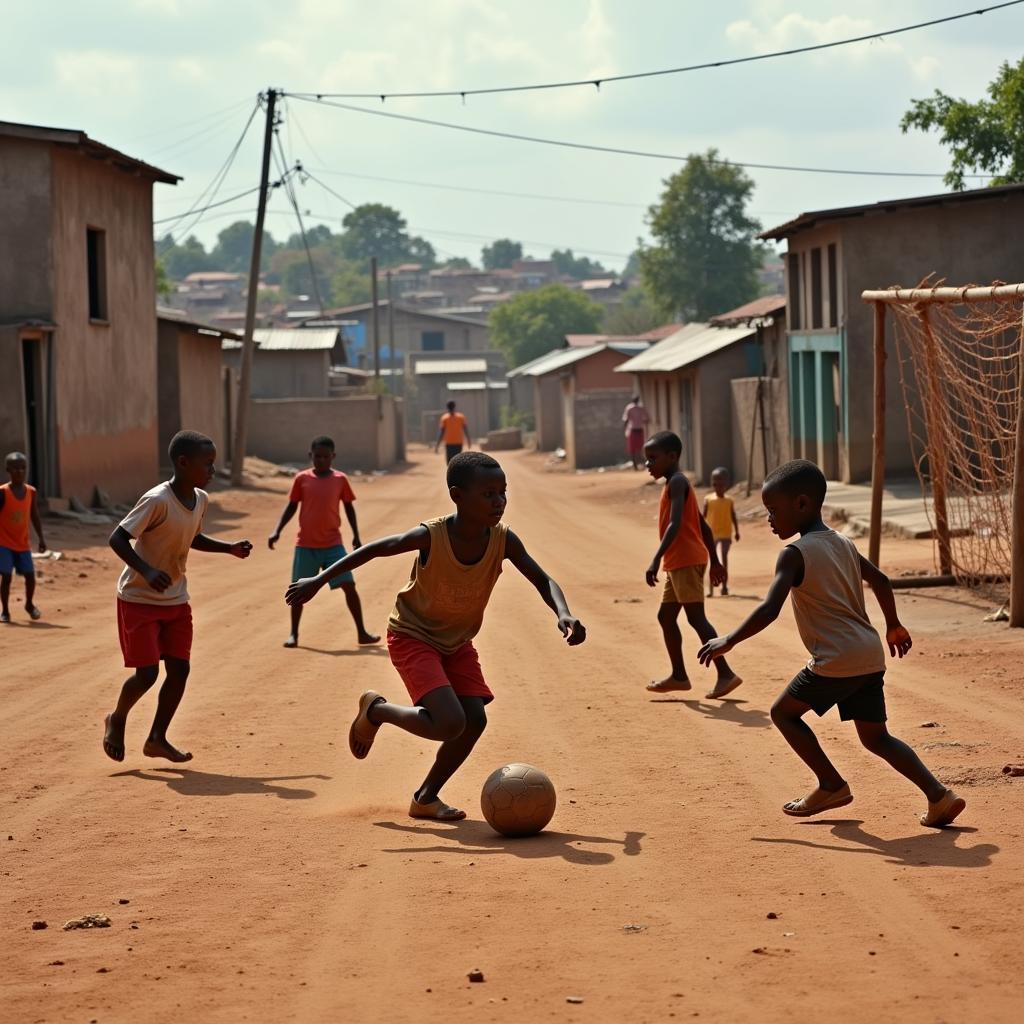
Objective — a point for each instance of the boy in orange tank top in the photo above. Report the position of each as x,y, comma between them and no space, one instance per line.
687,544
436,615
18,508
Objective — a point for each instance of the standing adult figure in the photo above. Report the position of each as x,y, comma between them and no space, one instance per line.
636,418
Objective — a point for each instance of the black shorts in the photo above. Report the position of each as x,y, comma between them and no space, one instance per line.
451,450
859,698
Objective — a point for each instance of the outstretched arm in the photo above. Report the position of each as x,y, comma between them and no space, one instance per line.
896,634
37,523
289,511
238,548
788,571
551,593
416,539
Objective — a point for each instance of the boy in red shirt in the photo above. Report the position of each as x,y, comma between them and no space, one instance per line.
17,508
321,491
687,544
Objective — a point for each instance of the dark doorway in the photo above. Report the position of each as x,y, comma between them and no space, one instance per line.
32,375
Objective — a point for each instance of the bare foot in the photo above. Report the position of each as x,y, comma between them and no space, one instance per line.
161,748
725,591
113,738
292,641
33,612
366,639
724,687
669,684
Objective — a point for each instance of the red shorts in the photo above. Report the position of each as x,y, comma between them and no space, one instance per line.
635,441
424,668
151,632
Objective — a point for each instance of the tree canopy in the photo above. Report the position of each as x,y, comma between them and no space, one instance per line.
501,254
537,321
986,136
578,267
635,314
705,255
374,229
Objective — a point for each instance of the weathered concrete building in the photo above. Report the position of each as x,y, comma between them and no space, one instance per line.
78,349
834,255
288,362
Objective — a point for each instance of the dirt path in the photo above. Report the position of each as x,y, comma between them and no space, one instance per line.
275,878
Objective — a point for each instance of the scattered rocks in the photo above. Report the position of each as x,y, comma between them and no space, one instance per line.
576,1000
124,902
55,963
102,970
38,926
476,976
928,725
1013,770
772,916
634,928
87,921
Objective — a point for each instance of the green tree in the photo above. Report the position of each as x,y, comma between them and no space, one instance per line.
633,315
536,322
501,254
457,263
705,256
184,259
233,250
163,282
374,229
986,136
578,267
350,285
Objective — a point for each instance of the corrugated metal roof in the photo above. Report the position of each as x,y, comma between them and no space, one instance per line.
563,357
688,345
291,339
766,305
439,367
476,385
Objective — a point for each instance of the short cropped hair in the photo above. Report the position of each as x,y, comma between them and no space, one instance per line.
187,443
464,467
16,457
720,471
450,406
666,441
796,478
323,441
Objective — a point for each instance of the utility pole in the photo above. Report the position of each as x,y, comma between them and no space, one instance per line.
391,335
245,376
376,322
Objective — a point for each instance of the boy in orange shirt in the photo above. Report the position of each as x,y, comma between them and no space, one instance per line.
18,507
687,544
320,492
453,431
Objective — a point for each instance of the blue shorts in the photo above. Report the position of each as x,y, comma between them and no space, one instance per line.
16,561
312,561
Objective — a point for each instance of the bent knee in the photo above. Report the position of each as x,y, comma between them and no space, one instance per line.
476,721
450,727
147,674
668,613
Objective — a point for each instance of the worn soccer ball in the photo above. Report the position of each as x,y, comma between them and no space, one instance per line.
518,800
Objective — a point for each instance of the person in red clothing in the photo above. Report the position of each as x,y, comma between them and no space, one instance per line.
321,491
453,432
18,507
687,544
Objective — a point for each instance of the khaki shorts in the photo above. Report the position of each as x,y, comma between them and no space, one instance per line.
684,586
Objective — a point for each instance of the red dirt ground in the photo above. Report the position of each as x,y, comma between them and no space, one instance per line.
275,878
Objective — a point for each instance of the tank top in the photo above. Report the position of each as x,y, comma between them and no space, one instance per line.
829,608
14,519
719,516
688,547
443,603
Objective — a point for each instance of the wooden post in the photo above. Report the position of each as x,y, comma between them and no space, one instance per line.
1017,550
936,447
753,436
878,453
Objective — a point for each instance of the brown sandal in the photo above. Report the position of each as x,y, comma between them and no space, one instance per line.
817,802
362,732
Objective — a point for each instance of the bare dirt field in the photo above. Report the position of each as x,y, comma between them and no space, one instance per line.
274,878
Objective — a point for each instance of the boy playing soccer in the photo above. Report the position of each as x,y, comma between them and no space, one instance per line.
154,619
437,614
18,508
686,545
720,513
824,572
320,491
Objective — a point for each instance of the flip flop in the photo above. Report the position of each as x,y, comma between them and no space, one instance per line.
435,810
818,801
362,732
724,689
669,685
944,811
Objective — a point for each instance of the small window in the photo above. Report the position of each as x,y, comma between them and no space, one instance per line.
96,252
817,302
433,341
793,274
833,287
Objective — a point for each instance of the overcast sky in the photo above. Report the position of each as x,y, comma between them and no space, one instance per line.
173,82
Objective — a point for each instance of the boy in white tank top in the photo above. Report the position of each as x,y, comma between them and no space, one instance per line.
824,572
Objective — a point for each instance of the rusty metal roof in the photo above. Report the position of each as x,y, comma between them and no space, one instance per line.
766,305
688,345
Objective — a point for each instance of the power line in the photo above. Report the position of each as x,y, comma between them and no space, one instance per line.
289,190
210,206
188,124
605,79
617,150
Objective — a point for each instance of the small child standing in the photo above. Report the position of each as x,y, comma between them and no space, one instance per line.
825,573
154,618
436,615
720,512
18,507
320,492
686,546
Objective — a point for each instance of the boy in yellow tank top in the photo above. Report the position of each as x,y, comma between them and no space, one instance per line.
720,514
18,508
437,613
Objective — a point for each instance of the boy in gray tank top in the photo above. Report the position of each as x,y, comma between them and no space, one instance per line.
824,573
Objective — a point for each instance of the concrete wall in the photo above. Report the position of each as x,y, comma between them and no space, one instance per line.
106,395
13,428
593,426
776,417
547,411
366,429
202,387
713,399
597,372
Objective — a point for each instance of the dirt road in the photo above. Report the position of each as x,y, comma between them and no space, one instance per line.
274,878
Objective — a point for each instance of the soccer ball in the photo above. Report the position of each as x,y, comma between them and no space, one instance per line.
518,800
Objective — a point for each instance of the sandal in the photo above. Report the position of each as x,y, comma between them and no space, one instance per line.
944,811
435,810
818,801
724,689
669,685
362,732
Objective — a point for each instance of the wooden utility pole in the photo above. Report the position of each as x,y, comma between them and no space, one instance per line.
878,453
391,335
245,377
1017,509
936,443
376,321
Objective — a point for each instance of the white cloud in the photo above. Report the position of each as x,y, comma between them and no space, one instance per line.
97,72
